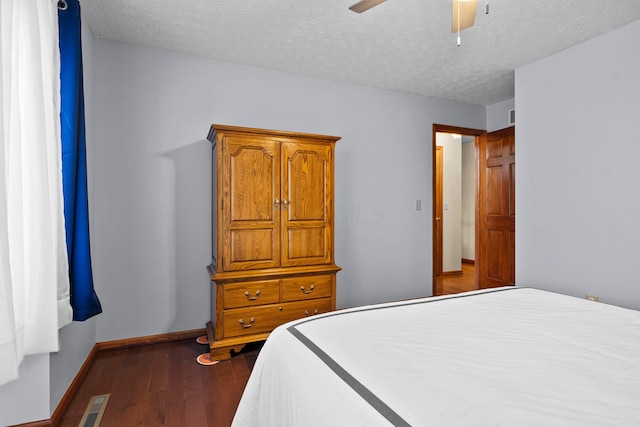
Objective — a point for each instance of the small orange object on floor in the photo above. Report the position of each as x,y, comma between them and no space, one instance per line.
205,359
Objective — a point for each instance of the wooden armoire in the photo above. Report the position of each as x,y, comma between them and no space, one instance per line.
272,221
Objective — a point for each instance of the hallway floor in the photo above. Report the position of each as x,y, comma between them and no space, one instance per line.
459,283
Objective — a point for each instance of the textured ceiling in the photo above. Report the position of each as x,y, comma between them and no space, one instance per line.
403,45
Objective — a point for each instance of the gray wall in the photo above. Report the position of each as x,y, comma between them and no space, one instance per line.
26,398
577,170
152,179
498,115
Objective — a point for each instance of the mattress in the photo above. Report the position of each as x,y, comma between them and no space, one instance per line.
511,356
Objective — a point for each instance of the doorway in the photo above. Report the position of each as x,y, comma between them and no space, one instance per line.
455,168
494,208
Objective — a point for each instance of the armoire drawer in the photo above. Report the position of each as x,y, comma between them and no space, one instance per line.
254,320
246,294
306,287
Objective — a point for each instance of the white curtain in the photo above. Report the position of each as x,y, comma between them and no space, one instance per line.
34,284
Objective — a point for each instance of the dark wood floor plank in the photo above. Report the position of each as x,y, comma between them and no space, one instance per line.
159,380
195,394
155,408
175,414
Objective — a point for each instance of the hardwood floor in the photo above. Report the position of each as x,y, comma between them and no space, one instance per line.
163,385
459,283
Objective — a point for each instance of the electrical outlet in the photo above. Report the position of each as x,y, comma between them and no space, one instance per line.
592,297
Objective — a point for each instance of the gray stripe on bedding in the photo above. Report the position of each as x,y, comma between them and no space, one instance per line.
356,385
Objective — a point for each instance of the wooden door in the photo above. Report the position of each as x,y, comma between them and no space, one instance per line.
495,241
437,219
307,191
250,203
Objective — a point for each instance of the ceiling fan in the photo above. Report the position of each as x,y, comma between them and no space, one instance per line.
463,14
364,5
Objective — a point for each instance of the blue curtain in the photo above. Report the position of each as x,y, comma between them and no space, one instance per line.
84,300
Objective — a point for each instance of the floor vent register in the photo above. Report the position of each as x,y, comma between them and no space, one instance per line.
95,409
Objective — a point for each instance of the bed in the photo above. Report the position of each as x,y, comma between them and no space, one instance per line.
512,356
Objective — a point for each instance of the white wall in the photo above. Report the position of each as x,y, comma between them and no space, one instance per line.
458,220
451,201
152,179
468,232
577,169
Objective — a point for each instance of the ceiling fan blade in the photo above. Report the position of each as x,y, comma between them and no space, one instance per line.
467,14
364,5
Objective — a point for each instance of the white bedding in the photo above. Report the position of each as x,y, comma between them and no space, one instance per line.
505,357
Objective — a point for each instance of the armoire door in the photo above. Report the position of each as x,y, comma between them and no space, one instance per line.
307,191
497,209
250,204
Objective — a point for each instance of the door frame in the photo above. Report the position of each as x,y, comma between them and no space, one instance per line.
436,253
438,244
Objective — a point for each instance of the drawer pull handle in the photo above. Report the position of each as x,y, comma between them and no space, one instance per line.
304,291
307,313
250,298
241,321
